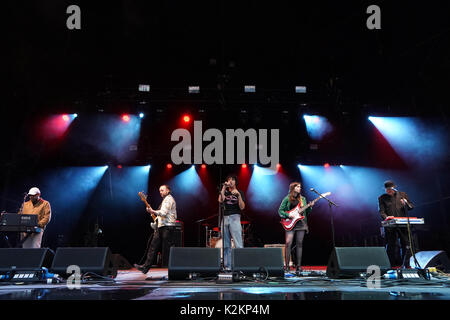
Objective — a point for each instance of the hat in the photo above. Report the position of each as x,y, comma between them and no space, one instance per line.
34,191
389,184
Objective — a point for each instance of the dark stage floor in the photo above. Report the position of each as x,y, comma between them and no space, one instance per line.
133,285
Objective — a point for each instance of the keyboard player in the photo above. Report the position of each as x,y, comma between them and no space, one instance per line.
40,207
392,204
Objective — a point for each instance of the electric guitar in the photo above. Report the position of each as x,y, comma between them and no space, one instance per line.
144,197
289,223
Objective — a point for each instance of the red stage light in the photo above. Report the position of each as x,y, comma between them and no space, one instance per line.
119,166
203,166
326,165
169,166
186,118
65,118
126,118
278,166
244,166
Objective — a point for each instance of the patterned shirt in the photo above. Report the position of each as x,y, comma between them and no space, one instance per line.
167,214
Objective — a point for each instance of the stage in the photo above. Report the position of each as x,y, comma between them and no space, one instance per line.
133,285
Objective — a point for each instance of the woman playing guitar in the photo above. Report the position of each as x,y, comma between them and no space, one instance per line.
291,201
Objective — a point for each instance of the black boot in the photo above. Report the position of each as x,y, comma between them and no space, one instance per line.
142,268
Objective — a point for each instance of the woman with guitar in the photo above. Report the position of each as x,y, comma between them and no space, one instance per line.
293,211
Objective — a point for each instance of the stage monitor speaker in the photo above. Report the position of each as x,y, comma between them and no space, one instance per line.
348,262
96,260
192,261
258,260
427,259
25,259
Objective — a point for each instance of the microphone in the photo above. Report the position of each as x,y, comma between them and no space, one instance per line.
394,189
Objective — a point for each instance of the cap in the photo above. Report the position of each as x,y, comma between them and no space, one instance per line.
389,184
34,191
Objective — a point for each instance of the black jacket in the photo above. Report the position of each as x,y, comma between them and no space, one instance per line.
392,206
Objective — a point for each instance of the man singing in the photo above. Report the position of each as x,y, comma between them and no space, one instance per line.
391,204
167,216
234,202
40,207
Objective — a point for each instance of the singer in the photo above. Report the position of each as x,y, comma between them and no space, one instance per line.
41,207
289,202
392,204
234,202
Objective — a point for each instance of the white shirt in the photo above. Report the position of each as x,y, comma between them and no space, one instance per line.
167,215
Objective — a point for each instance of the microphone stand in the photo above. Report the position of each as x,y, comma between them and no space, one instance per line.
411,244
330,204
221,223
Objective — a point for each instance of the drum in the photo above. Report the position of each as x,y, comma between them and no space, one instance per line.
213,242
218,243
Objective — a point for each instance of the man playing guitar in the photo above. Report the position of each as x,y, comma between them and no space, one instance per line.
166,218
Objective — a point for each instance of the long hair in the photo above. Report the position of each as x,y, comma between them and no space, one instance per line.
292,186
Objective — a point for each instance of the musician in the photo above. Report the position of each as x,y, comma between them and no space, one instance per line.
298,231
40,207
234,202
392,204
163,235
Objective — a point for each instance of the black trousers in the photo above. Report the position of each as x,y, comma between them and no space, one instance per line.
393,250
162,241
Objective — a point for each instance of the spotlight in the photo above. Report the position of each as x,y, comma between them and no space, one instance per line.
194,89
126,118
203,166
141,115
65,117
75,115
250,89
186,118
169,166
300,89
326,165
243,166
144,88
119,166
278,166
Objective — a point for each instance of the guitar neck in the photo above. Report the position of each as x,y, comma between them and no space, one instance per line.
148,206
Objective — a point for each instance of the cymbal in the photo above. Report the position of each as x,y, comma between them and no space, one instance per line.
245,222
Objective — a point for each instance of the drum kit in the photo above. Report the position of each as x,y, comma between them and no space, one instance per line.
214,236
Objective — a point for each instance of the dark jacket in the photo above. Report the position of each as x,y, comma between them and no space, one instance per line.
392,206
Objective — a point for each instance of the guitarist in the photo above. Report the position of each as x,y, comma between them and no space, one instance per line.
298,231
162,237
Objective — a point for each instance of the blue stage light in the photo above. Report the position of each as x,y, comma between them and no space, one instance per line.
416,141
317,126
